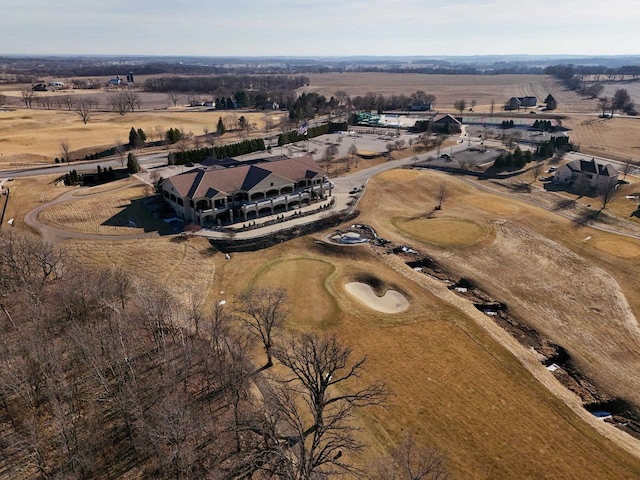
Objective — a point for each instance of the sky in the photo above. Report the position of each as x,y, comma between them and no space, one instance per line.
319,28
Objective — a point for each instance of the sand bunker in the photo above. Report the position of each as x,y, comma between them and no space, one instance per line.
391,302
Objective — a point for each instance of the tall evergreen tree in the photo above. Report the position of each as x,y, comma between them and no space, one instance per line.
220,128
132,163
134,138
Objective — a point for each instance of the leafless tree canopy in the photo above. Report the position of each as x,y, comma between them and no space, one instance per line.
124,102
84,108
409,461
608,193
321,440
441,195
264,310
105,376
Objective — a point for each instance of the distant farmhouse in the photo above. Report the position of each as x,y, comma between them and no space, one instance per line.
550,102
218,195
592,173
516,103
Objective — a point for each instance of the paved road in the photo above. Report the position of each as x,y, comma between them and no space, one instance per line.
60,169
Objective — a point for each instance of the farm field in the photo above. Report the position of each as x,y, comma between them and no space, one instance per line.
449,88
453,384
617,138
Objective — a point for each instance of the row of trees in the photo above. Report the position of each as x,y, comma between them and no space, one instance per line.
105,376
84,107
578,79
222,151
377,101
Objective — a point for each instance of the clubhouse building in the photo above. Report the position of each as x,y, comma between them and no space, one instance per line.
218,195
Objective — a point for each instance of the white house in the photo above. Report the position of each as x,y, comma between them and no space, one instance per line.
596,174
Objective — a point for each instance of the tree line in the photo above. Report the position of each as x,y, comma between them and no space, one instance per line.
105,376
578,79
232,150
225,84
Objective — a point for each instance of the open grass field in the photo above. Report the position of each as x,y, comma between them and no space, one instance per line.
617,138
32,136
451,382
303,278
108,211
29,193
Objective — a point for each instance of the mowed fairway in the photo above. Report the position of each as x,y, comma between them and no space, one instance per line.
305,281
450,382
540,265
452,232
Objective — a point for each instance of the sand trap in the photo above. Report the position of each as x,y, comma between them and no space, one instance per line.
391,302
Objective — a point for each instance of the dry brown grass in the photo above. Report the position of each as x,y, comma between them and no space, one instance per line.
29,193
569,298
35,135
109,211
617,138
450,382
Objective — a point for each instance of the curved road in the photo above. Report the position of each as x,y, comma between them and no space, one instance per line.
54,235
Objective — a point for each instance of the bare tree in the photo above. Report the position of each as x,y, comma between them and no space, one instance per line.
64,149
264,310
3,99
132,100
159,132
608,193
353,153
174,97
327,157
441,195
536,169
408,461
460,105
322,375
493,106
603,103
119,103
120,151
28,96
627,167
83,108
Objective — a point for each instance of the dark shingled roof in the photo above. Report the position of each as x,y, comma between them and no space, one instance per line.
593,166
211,182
